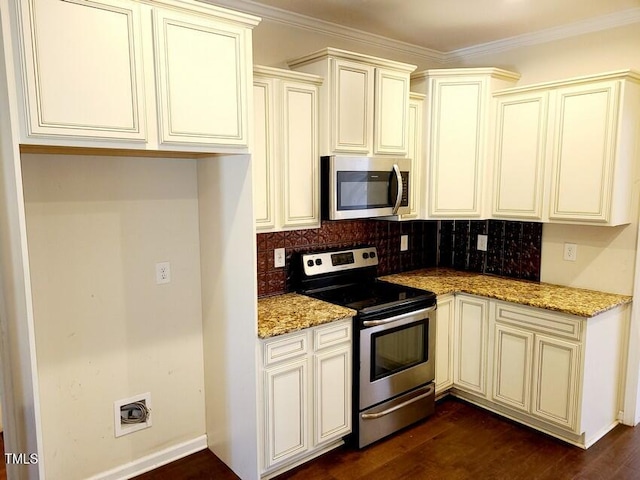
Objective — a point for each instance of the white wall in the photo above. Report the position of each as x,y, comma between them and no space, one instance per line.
104,329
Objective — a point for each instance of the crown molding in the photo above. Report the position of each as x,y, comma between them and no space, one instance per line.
605,22
276,15
304,22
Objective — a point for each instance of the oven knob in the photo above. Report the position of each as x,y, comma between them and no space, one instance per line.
372,254
318,261
365,255
310,263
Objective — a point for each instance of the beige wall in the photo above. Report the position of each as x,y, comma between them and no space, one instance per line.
104,330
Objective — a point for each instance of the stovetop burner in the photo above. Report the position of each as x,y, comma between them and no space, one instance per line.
348,278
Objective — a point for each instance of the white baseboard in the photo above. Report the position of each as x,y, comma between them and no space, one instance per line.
155,460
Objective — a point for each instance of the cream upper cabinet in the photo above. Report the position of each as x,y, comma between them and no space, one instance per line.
519,155
83,66
134,74
458,125
364,102
285,150
565,151
202,80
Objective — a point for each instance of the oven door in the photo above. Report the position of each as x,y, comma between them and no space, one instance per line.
363,187
397,354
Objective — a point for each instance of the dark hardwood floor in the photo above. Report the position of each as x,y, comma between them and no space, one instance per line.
460,441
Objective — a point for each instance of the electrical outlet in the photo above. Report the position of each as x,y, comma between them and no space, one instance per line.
123,428
570,252
278,257
163,273
404,243
482,242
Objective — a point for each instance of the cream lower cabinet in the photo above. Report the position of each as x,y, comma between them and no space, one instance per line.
365,102
285,151
564,152
306,388
471,343
134,74
445,335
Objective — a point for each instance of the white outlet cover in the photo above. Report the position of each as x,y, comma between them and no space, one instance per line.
278,257
163,273
482,242
570,252
404,243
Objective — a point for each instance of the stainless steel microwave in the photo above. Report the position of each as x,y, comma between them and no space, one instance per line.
364,187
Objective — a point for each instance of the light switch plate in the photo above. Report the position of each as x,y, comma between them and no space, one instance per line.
404,243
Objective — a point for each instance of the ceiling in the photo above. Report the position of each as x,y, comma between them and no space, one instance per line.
450,25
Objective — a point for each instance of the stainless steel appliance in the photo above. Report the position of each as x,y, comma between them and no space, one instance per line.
364,187
394,349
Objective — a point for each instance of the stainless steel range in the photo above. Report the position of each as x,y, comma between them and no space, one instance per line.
394,350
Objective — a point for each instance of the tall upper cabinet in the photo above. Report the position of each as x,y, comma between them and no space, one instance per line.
285,150
364,102
165,75
565,151
458,121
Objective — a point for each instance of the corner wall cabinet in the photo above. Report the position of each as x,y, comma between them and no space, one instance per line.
459,117
285,150
555,372
365,102
569,157
306,384
135,74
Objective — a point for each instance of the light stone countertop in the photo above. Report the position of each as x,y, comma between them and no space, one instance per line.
573,301
291,312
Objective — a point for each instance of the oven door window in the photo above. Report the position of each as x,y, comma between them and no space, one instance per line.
398,348
364,190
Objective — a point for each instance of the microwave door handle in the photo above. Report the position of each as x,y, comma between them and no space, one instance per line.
396,170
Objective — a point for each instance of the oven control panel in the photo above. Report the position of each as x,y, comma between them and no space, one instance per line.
329,262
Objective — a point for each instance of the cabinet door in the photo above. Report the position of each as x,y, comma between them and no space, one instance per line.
416,112
391,131
556,379
332,394
456,147
301,203
201,74
84,74
286,414
519,153
263,158
584,152
351,107
512,364
471,344
444,344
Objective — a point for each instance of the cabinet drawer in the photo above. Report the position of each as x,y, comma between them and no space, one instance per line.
332,334
540,320
281,349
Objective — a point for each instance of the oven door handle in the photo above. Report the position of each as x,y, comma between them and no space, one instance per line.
373,323
373,416
396,170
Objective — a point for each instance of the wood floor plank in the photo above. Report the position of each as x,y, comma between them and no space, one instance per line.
460,441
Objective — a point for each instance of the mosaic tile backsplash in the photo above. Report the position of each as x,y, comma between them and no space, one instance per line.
513,249
385,236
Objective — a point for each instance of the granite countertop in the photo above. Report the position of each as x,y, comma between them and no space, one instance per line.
291,311
573,301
